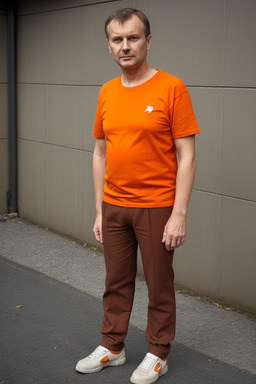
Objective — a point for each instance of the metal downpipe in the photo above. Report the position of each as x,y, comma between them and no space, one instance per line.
12,108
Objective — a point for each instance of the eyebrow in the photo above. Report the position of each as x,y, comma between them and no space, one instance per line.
114,36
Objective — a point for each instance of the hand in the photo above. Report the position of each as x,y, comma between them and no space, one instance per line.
174,231
97,229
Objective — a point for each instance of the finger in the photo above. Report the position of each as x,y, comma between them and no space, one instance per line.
97,234
164,236
168,245
173,243
181,241
178,242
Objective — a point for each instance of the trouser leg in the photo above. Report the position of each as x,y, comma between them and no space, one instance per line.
159,275
120,252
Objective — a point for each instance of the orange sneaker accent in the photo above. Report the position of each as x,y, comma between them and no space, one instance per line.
158,367
115,352
104,360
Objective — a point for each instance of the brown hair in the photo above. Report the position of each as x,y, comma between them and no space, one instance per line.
124,14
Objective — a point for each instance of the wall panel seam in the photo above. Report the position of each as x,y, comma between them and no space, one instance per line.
99,85
220,87
223,195
54,145
66,8
60,84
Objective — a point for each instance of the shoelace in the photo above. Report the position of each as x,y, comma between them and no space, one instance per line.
98,351
148,362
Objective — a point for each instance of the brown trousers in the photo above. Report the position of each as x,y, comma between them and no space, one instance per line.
123,230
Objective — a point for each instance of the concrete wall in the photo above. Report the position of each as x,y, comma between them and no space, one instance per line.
4,142
62,62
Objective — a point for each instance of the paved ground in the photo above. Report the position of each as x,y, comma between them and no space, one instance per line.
51,313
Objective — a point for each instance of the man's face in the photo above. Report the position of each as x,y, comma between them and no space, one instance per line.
128,44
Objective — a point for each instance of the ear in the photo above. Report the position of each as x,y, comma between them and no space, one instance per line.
149,42
109,46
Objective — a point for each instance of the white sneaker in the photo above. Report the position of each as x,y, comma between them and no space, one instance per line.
151,368
100,358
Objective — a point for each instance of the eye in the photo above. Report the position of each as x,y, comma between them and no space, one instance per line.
117,40
134,38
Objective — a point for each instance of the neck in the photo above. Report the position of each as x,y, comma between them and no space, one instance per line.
138,76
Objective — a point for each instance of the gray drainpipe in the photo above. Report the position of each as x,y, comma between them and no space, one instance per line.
12,109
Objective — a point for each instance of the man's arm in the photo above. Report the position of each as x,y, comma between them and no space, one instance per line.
98,177
175,229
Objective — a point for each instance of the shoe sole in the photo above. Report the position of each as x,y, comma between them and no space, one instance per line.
114,363
165,370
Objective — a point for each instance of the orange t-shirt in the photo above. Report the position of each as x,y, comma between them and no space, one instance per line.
139,125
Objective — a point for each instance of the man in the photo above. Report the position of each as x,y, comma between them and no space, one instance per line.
144,119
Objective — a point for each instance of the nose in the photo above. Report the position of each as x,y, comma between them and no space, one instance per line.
125,45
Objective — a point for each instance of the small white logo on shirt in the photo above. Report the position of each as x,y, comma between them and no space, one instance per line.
149,109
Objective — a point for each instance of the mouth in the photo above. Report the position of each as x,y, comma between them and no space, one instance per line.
126,57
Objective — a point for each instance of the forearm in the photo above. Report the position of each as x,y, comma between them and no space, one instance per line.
98,177
184,185
175,230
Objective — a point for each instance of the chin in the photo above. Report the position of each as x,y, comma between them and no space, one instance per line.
128,65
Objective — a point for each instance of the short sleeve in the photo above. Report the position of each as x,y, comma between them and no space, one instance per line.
98,128
183,118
